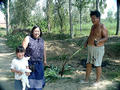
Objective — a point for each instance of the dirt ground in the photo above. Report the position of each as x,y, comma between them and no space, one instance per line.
68,82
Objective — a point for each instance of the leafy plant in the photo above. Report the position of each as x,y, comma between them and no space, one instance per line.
51,73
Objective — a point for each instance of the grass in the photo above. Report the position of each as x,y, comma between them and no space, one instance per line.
111,27
2,32
112,51
112,75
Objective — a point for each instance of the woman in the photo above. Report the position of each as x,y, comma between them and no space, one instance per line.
35,49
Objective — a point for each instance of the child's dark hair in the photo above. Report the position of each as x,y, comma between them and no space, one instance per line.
96,13
20,49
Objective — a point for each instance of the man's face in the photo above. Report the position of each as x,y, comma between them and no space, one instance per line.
94,19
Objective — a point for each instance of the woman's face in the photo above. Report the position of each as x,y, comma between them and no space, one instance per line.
36,33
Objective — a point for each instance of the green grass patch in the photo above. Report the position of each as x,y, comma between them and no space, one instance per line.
112,75
113,49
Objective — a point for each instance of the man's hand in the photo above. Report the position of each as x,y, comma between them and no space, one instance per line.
85,45
96,42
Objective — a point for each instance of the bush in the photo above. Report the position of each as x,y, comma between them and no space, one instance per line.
2,32
51,36
14,40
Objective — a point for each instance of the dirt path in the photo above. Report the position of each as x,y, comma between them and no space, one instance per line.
69,82
6,80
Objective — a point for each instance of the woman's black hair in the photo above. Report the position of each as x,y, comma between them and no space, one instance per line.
34,27
20,49
96,13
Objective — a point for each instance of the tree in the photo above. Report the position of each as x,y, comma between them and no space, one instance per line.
36,16
118,17
70,19
5,10
48,17
22,12
81,4
110,16
97,4
49,13
7,17
61,13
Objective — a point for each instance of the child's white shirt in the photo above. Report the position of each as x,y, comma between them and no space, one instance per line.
20,65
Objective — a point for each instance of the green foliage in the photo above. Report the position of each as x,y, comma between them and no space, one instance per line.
112,75
61,14
2,32
115,48
68,70
51,73
102,5
80,4
49,10
3,6
14,40
110,16
52,36
41,23
63,57
111,27
38,19
21,12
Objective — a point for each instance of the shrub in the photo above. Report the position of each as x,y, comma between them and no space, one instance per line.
14,40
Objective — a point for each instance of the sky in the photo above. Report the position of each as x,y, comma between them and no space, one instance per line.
111,5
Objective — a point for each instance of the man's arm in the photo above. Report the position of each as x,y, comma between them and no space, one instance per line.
86,43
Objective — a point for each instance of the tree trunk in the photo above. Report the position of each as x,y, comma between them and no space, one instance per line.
97,4
7,17
118,17
48,17
70,20
61,21
80,21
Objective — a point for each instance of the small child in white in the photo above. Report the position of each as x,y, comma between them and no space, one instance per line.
20,67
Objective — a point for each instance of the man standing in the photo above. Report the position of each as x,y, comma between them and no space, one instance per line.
95,43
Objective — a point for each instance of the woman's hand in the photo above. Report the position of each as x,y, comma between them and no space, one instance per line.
27,73
45,63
